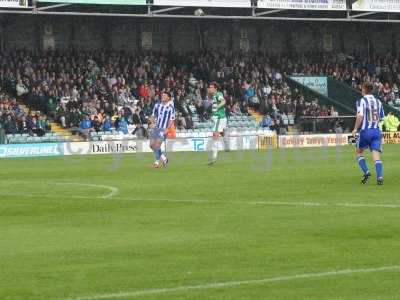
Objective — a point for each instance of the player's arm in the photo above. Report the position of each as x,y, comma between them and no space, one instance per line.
172,117
359,118
152,118
381,117
222,102
381,114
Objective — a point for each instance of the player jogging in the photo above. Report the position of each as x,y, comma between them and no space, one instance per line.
219,119
161,117
369,114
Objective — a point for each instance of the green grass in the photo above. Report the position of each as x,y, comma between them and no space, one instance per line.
65,241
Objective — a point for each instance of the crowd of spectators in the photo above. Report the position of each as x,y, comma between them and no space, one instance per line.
353,70
100,90
14,120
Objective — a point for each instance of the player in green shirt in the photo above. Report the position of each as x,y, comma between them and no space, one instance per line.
219,119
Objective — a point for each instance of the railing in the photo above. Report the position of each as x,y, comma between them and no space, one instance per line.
326,124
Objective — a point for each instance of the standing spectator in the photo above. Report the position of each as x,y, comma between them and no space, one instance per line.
391,123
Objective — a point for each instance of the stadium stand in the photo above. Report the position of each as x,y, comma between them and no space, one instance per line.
353,70
117,90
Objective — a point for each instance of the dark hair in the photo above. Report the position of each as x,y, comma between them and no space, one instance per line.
368,87
167,93
215,85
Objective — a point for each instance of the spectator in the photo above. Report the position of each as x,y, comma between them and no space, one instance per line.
42,125
21,89
391,123
122,125
140,132
97,125
24,126
11,125
107,124
86,127
266,122
180,122
2,134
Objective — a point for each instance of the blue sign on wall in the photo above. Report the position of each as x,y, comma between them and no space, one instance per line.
318,84
198,144
30,150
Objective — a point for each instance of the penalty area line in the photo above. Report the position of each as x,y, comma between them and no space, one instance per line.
232,284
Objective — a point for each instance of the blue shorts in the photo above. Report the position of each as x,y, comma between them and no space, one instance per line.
370,138
158,134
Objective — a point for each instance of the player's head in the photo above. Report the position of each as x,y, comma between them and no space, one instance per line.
213,88
367,88
165,97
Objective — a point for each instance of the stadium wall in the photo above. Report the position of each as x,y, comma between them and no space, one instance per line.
61,32
250,142
197,144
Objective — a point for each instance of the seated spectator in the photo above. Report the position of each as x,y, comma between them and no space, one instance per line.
74,118
2,134
140,132
11,125
51,109
138,117
236,111
86,127
42,125
107,124
189,122
97,126
25,126
266,122
279,127
122,125
21,89
180,122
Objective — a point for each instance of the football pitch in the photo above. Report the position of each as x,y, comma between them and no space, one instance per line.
280,224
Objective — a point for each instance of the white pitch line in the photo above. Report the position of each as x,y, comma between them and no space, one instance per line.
113,190
266,203
231,284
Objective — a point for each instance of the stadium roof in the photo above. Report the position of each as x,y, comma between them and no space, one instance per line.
143,9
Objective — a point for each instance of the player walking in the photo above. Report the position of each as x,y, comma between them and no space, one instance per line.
369,113
219,119
162,117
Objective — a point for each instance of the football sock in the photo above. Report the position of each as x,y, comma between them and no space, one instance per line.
214,150
163,156
363,165
226,143
379,169
157,154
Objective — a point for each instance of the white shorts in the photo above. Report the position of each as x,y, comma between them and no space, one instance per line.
219,124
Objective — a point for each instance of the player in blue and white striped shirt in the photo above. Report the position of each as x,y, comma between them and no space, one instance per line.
369,114
162,116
